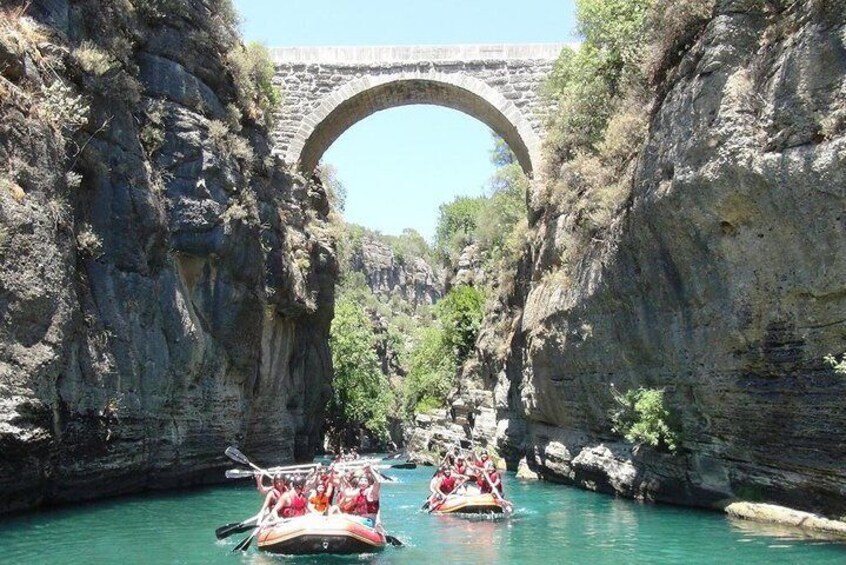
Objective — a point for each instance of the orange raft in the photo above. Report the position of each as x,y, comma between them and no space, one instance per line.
469,504
316,533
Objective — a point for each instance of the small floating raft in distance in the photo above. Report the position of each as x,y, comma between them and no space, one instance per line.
316,533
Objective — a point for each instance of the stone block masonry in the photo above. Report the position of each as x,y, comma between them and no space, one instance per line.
328,89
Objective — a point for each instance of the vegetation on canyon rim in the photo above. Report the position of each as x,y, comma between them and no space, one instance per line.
601,95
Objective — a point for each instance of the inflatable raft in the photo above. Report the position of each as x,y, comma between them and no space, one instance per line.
315,533
469,504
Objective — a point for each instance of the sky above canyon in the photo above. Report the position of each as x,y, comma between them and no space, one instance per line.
399,165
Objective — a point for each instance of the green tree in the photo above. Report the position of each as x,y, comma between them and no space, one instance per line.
641,416
431,372
501,154
616,29
335,189
587,84
457,222
361,393
460,314
408,246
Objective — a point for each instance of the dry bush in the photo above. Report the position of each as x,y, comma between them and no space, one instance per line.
244,209
73,180
61,108
89,243
253,73
19,33
10,186
624,135
94,60
595,182
152,133
674,27
218,132
228,143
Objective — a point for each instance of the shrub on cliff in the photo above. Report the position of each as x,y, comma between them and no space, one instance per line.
642,417
839,365
361,394
457,223
431,371
440,349
460,314
253,70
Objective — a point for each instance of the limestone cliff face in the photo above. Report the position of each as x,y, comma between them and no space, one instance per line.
173,300
414,280
723,281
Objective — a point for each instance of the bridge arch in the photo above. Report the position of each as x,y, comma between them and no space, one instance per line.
367,95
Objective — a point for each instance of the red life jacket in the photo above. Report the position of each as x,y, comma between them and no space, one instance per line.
483,483
460,469
372,506
297,507
361,506
447,485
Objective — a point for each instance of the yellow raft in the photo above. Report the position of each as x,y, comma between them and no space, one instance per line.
469,504
315,533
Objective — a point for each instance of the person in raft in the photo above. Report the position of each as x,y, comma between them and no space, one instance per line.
319,501
273,493
482,460
360,497
460,467
449,483
493,480
293,503
367,501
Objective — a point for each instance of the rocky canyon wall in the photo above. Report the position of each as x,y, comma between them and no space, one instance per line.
166,287
412,279
722,281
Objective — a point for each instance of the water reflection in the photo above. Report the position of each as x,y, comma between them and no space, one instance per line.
778,531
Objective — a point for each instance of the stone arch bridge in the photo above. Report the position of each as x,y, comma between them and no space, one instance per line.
328,89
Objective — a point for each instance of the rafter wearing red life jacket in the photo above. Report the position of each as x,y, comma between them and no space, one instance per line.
447,484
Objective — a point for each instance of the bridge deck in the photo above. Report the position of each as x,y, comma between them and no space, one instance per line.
353,55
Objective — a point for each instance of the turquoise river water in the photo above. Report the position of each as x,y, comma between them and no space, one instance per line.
552,524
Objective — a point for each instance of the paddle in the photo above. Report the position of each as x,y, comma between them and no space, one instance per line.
394,541
235,528
384,477
404,466
246,474
233,453
244,544
508,506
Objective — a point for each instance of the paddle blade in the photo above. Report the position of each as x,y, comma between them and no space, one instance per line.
394,541
386,478
233,453
224,531
244,544
235,528
404,466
